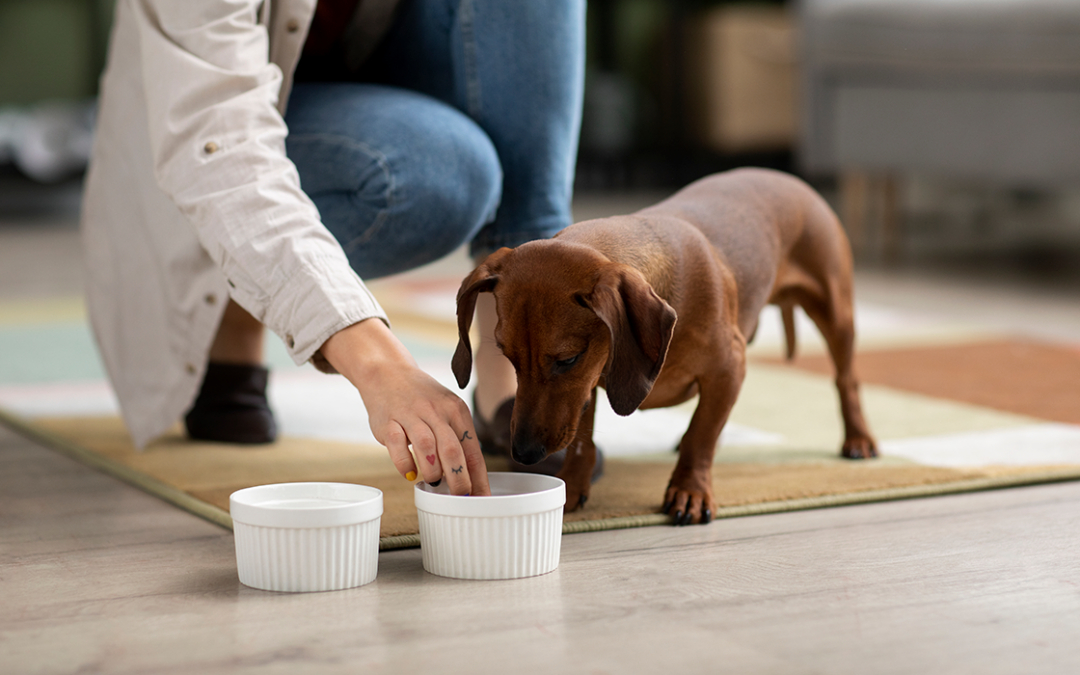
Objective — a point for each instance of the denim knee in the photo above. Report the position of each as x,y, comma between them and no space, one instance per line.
417,181
453,190
445,186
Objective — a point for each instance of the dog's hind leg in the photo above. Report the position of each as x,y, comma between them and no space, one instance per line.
787,314
834,317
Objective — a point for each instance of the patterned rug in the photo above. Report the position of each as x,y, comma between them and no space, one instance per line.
954,410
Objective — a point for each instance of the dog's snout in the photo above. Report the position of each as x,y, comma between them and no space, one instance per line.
526,449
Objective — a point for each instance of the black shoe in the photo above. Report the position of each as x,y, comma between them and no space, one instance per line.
495,441
231,406
494,437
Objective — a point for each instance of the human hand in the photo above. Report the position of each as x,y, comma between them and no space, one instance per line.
407,406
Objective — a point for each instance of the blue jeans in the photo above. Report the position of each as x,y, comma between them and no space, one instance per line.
463,128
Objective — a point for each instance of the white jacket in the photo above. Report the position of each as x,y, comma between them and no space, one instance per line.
190,200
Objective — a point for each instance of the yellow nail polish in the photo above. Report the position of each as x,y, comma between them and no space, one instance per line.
410,476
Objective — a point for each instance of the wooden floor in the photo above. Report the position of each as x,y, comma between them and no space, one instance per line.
96,576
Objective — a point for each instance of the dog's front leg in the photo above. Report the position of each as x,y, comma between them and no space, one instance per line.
689,496
580,459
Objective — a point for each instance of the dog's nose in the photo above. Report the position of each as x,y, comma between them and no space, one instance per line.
527,451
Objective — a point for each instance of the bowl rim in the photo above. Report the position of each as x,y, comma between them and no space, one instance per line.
545,493
260,505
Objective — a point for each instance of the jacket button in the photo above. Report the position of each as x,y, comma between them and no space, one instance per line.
210,298
289,341
210,148
292,26
191,370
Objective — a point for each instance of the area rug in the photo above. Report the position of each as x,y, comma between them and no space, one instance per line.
796,467
953,411
1021,376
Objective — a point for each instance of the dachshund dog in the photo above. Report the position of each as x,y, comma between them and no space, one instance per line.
657,307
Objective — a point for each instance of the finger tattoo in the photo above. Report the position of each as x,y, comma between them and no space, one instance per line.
458,470
464,437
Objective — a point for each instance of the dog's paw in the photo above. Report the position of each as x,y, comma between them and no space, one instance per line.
575,499
688,507
578,478
859,448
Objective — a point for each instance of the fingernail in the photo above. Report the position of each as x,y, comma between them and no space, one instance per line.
410,476
436,483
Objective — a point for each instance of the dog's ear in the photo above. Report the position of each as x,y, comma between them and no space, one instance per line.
641,324
480,280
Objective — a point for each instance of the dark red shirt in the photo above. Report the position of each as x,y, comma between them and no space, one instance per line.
330,20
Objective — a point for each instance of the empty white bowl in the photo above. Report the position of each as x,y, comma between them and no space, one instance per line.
302,537
515,533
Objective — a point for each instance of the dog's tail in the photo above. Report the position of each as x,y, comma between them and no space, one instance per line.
787,312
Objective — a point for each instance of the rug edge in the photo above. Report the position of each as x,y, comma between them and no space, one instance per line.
152,486
220,517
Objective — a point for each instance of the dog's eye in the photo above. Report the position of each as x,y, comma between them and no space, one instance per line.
562,365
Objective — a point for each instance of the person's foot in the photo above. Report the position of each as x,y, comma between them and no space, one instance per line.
495,441
231,406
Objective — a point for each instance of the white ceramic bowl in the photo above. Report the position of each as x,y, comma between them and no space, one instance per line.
306,536
514,533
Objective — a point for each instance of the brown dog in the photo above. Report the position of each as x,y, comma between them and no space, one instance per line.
597,304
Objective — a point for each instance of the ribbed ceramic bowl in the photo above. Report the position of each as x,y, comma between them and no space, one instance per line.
514,533
302,537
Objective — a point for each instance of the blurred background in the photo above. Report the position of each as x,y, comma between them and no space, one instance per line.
945,132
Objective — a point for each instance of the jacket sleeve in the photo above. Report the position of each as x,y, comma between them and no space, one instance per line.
218,145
